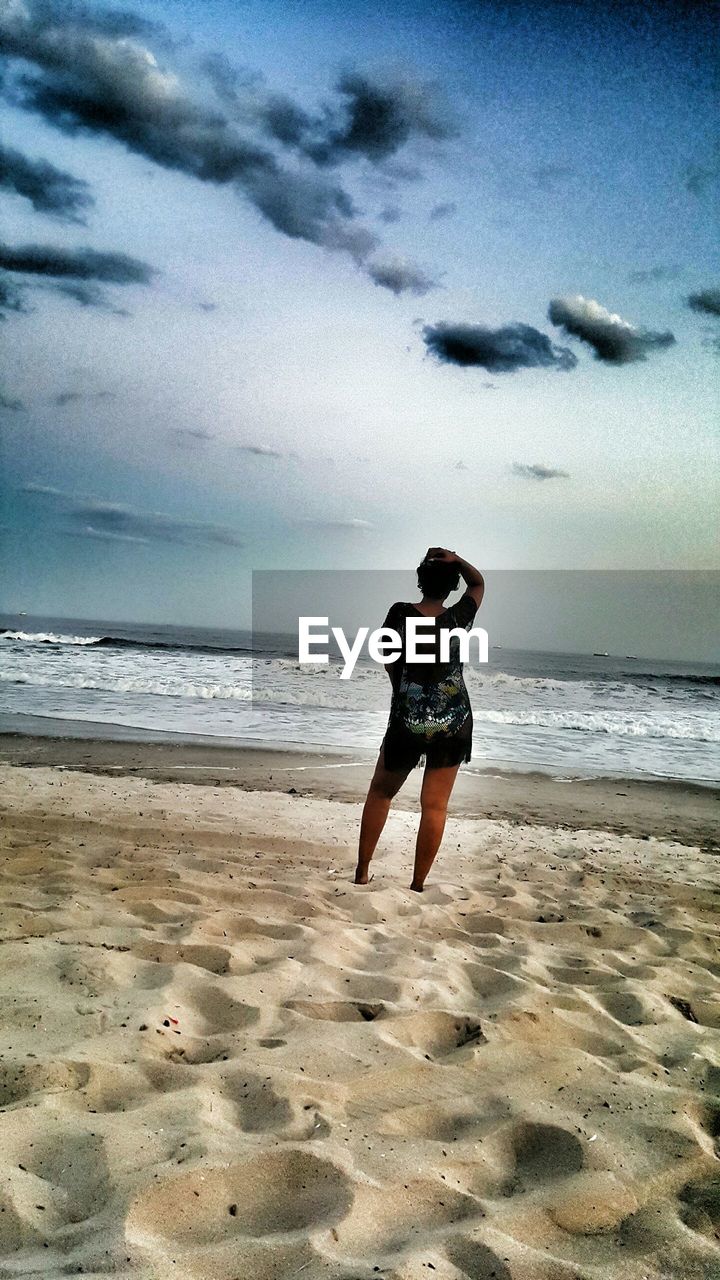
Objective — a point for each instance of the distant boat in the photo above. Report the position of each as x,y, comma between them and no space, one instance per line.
22,614
631,657
496,646
601,655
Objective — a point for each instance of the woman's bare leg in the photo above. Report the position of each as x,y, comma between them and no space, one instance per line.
436,789
385,784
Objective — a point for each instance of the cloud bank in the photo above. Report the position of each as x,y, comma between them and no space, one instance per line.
89,72
614,340
505,350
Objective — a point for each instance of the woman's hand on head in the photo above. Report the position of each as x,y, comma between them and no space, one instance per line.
440,553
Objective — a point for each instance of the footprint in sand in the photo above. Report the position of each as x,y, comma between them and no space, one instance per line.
699,1207
57,1180
218,1010
475,1260
632,1010
270,1195
336,1010
214,959
542,1153
386,1219
432,1033
19,1080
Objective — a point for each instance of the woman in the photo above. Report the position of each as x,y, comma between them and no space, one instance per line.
430,714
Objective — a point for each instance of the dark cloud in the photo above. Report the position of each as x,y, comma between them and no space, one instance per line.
379,115
81,80
244,95
707,302
614,340
654,275
48,189
536,471
79,264
207,306
400,276
72,273
391,213
514,346
10,403
445,209
88,71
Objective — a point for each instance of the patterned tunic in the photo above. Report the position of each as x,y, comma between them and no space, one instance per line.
430,713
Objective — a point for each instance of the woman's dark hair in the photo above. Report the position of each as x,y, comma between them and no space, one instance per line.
437,578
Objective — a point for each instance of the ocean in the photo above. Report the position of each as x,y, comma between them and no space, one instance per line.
572,715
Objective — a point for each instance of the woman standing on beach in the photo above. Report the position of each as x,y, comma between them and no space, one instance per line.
430,714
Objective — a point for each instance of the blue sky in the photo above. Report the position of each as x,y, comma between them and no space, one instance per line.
313,326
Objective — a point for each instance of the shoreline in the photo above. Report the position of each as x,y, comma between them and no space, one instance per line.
682,811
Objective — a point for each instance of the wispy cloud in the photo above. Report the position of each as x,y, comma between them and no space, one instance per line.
89,517
64,398
614,340
48,189
104,535
12,298
362,526
536,471
48,490
445,209
551,177
504,350
260,450
654,275
117,518
700,177
191,435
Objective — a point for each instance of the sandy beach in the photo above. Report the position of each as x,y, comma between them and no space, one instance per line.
221,1060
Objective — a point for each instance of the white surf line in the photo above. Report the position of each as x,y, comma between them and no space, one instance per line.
299,768
223,768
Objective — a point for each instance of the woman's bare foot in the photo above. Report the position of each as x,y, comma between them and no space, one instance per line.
417,888
361,875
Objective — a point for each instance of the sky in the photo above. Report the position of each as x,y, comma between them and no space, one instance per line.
316,286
